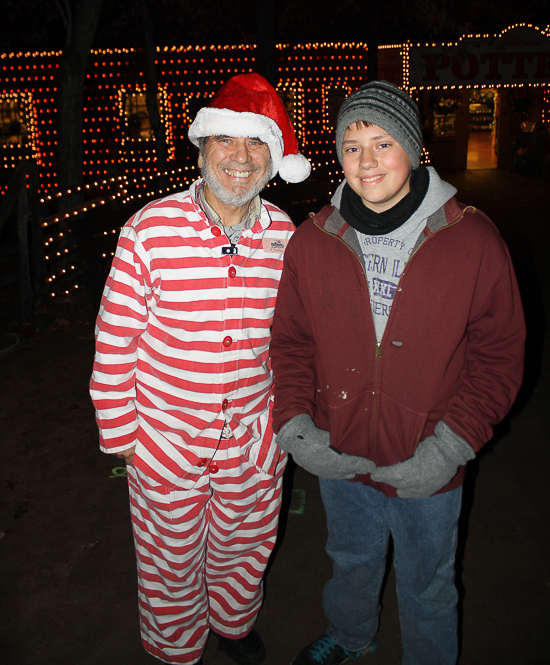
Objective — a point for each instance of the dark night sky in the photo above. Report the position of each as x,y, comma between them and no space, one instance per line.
35,25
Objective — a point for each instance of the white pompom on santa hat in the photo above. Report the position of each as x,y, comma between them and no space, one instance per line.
248,105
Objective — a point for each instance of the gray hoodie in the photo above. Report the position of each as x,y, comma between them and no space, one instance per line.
384,256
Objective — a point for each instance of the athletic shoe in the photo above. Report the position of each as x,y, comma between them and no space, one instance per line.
325,651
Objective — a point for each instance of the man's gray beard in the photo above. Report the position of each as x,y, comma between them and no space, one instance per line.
228,197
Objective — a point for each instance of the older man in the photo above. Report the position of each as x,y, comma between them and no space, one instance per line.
182,379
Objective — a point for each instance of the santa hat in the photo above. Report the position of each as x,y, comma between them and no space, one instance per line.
247,105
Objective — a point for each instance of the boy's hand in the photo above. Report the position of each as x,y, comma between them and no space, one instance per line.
433,465
310,448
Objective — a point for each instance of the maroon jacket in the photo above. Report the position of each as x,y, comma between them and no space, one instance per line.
452,349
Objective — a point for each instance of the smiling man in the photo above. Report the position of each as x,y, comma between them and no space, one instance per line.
182,383
235,170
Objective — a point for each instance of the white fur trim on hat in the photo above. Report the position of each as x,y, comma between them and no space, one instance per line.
225,122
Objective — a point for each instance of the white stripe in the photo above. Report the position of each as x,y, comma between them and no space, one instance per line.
171,272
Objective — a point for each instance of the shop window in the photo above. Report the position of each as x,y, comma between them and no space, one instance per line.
137,123
288,97
13,123
292,97
445,107
333,98
521,101
482,109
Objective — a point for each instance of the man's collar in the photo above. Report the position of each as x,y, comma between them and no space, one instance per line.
253,215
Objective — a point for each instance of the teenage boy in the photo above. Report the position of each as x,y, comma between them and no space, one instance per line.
398,337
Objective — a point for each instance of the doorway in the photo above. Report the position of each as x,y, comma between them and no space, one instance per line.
482,129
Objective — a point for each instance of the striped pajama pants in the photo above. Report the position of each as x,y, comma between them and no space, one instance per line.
202,549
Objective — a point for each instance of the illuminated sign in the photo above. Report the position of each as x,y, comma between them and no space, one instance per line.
519,55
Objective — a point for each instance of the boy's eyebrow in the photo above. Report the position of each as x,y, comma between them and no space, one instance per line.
371,138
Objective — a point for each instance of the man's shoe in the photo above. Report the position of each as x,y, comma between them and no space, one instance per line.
325,651
248,650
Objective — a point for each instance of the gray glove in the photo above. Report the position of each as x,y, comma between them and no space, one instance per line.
310,448
433,465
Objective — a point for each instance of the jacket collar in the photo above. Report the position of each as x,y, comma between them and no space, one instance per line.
331,221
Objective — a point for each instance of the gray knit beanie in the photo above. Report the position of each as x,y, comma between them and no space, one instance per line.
383,104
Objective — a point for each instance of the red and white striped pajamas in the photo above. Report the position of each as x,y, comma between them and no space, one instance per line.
182,351
202,549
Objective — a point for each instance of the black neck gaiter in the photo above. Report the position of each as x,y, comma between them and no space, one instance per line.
365,220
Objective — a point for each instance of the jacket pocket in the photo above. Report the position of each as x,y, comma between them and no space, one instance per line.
399,430
349,421
377,427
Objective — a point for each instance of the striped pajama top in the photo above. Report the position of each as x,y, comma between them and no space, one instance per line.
182,338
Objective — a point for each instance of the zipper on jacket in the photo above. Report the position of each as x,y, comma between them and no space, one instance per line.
376,392
378,351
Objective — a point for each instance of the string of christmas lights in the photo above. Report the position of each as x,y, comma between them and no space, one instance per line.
119,152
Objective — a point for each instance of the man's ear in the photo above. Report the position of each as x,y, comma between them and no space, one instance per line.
199,161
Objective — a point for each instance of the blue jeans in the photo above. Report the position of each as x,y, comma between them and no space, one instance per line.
360,521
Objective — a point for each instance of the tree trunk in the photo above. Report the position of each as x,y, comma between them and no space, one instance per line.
151,85
267,58
373,39
81,28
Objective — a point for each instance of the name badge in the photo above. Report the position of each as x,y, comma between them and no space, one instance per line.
274,245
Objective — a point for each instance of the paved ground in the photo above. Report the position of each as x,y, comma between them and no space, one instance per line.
67,578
